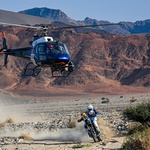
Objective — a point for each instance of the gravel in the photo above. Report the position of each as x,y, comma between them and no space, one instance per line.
55,116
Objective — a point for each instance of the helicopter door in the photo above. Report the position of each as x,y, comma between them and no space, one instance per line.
41,49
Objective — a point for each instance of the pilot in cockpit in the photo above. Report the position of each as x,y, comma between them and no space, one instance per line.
51,48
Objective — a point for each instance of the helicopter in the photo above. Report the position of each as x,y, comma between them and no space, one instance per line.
44,51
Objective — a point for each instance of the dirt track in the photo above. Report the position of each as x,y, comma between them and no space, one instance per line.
45,120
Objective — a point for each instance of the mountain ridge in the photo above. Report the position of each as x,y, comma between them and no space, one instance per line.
138,27
103,62
51,14
57,15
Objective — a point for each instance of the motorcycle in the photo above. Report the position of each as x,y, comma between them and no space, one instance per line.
90,127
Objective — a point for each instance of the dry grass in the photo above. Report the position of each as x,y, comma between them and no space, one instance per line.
26,137
8,121
72,123
138,141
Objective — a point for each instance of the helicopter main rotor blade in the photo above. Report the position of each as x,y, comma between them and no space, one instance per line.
45,28
19,25
84,26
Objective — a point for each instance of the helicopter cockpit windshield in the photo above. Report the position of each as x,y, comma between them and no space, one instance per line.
52,48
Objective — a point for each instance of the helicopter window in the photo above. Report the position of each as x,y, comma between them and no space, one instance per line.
51,48
54,48
41,49
65,49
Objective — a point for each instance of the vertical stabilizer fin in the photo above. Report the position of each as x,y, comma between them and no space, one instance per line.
5,59
4,49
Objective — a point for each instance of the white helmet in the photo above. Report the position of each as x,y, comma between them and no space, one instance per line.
90,107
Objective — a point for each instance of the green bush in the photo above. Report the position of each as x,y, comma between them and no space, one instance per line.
139,113
138,141
136,127
81,146
139,132
106,100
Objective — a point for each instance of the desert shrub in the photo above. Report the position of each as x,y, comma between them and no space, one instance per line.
139,132
26,137
138,141
72,123
103,98
77,146
139,113
135,127
81,146
106,100
8,121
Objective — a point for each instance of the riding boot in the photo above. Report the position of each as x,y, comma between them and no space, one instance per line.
97,131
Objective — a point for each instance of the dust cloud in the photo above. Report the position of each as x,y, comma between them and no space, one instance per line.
11,109
77,134
10,112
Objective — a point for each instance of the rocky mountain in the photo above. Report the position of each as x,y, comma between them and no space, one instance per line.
101,61
51,14
107,58
137,27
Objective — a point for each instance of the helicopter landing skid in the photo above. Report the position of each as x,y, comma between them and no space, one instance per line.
31,70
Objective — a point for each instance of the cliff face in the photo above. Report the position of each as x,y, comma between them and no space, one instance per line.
124,59
100,60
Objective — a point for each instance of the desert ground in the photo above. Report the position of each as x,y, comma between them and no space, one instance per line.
50,123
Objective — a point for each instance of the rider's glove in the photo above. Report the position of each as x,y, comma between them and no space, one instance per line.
79,120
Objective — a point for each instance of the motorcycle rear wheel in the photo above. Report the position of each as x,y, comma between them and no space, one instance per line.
93,136
99,138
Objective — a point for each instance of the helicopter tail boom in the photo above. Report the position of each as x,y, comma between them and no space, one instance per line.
4,48
4,40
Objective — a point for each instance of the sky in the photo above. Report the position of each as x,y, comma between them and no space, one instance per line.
109,10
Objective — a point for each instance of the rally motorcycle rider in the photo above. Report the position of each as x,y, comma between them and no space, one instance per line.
92,113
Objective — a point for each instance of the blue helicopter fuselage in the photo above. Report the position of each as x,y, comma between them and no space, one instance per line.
49,53
45,52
